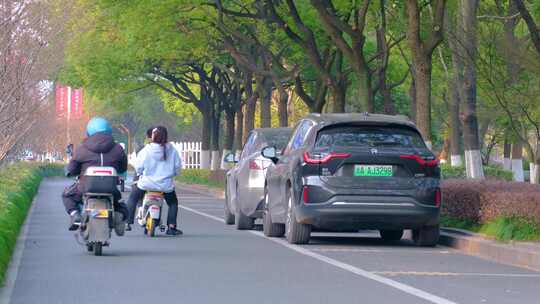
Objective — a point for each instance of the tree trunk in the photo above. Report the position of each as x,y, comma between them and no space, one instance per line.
365,92
230,130
455,127
315,103
507,152
412,97
422,71
534,30
454,84
282,100
206,138
250,107
264,87
214,147
443,156
383,50
535,170
340,92
388,103
229,138
473,157
239,130
421,51
282,109
517,161
338,105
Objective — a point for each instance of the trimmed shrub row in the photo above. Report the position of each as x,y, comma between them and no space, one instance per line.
215,179
491,172
484,201
18,185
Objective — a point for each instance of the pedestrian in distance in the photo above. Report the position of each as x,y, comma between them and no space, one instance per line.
156,165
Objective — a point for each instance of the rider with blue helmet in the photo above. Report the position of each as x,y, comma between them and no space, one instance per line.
97,149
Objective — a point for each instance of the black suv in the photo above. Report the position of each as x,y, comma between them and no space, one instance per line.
346,172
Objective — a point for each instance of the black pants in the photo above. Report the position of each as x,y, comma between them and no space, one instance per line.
137,195
72,199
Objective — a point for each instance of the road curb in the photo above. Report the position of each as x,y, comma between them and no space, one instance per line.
518,254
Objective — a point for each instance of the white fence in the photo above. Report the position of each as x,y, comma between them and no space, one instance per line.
190,153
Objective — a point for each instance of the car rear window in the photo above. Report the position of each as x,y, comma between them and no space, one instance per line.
368,136
277,138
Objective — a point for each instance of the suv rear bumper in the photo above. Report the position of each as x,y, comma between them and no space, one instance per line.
367,212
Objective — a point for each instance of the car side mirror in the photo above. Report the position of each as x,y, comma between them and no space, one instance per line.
230,158
270,153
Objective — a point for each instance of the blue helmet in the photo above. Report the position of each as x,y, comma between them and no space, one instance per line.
98,125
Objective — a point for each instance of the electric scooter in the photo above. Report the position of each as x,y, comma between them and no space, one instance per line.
149,214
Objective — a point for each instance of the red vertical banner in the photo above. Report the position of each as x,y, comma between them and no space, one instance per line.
61,96
76,103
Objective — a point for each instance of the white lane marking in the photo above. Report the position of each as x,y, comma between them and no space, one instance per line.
215,218
13,269
457,274
350,268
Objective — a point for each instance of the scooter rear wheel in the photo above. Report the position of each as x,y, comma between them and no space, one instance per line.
151,225
98,248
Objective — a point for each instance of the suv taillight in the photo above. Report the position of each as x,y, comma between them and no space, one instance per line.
421,161
323,158
253,165
305,194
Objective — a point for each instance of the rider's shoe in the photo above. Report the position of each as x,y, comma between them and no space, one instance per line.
75,220
128,227
174,231
119,224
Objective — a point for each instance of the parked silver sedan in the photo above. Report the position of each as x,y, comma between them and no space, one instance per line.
244,189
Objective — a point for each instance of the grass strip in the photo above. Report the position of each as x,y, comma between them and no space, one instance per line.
503,229
199,177
18,185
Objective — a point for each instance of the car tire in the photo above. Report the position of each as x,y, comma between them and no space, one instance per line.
391,235
271,229
243,222
295,232
427,236
229,217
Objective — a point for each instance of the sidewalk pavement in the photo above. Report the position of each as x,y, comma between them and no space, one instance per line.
521,254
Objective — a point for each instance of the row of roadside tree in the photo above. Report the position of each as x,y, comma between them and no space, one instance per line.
466,71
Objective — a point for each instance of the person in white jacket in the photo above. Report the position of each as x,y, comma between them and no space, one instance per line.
156,165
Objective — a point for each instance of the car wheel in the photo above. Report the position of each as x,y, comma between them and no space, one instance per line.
271,229
427,236
295,232
391,235
229,217
243,222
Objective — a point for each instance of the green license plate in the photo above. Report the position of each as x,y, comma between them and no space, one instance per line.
373,170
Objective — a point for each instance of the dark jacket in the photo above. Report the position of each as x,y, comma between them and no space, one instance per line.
89,154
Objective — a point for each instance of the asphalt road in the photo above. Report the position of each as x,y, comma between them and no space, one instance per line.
212,263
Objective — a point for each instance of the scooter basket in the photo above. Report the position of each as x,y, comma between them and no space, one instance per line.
100,180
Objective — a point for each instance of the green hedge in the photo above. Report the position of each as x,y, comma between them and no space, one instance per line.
18,185
491,172
214,179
